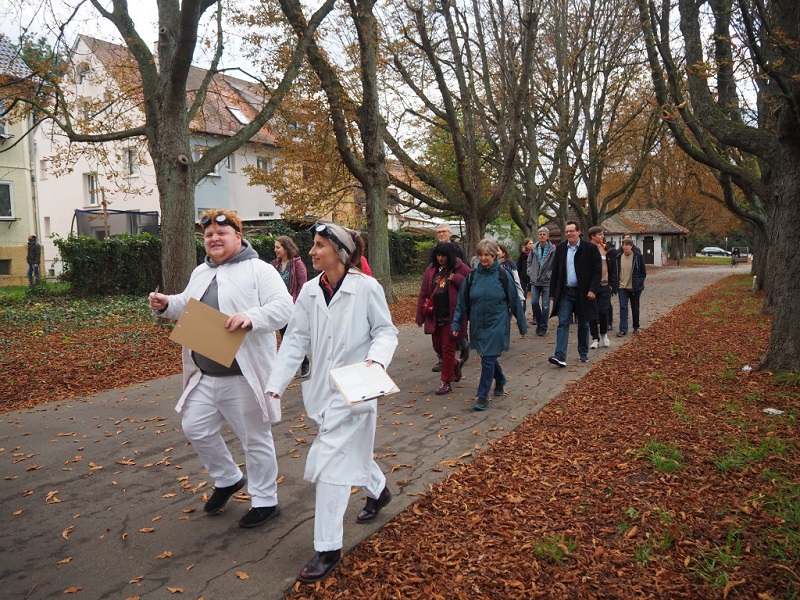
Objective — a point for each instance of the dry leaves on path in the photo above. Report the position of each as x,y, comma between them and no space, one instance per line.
657,475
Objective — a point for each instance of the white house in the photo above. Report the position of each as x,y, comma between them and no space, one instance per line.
649,228
119,176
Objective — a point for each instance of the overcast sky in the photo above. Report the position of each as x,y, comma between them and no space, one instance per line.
43,17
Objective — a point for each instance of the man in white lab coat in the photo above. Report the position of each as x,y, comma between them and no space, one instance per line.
235,281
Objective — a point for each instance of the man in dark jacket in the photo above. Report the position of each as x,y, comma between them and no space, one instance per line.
34,256
631,273
574,284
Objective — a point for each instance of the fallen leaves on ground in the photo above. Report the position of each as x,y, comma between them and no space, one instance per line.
657,475
64,352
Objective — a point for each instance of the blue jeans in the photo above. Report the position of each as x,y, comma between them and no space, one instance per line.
540,313
566,306
624,297
33,274
490,369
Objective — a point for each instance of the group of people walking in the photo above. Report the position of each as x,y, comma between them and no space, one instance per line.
574,281
341,317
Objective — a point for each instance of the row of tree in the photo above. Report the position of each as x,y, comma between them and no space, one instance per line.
530,106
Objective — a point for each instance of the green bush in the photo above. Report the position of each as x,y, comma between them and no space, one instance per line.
131,264
120,264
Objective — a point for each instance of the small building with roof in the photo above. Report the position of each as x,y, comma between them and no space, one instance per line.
651,231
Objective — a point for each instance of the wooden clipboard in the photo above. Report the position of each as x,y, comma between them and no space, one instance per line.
202,328
359,383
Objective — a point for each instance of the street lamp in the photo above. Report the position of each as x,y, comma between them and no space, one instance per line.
726,244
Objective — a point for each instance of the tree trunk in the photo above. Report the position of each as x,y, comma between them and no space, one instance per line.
783,271
374,177
760,252
172,165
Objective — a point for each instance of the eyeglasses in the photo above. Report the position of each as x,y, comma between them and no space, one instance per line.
220,219
326,232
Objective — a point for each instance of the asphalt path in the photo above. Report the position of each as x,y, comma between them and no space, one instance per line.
103,496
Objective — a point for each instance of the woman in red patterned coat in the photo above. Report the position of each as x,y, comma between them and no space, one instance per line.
439,292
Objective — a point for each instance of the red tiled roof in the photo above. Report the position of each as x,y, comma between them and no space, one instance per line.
223,91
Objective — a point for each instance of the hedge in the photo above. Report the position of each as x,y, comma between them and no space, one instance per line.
131,264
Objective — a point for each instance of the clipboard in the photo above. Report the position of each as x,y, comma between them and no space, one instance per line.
202,328
359,383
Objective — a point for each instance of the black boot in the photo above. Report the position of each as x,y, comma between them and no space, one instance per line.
319,567
374,506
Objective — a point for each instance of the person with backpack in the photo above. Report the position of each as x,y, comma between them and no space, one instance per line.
488,298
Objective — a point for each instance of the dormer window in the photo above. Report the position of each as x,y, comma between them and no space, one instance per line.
239,115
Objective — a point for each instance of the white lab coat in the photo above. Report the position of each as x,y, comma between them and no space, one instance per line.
355,327
254,288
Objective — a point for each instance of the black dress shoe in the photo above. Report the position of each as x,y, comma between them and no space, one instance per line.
319,567
259,515
374,506
221,496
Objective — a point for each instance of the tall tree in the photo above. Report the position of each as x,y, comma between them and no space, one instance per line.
737,110
618,126
167,112
364,155
687,192
464,69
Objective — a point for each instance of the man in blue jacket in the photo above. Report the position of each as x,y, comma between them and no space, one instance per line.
574,283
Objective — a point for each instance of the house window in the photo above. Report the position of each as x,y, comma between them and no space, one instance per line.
92,189
230,162
131,162
217,169
6,204
5,267
239,115
265,164
3,127
43,169
215,172
269,213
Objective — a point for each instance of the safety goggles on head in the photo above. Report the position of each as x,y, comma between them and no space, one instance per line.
323,230
220,219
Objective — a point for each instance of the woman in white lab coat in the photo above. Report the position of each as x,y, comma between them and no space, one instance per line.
340,318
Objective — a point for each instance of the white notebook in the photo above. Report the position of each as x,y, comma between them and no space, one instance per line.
359,382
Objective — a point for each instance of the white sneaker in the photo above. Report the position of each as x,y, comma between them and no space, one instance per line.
606,341
594,345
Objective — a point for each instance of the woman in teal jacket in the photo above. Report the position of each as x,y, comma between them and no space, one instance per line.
488,297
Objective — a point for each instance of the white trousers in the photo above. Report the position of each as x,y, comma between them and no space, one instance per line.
208,406
330,506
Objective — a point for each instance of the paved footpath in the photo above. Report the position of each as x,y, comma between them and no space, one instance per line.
104,494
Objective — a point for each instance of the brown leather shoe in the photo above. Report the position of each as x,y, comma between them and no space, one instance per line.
374,506
319,567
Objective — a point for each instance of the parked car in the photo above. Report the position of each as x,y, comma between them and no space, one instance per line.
714,251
